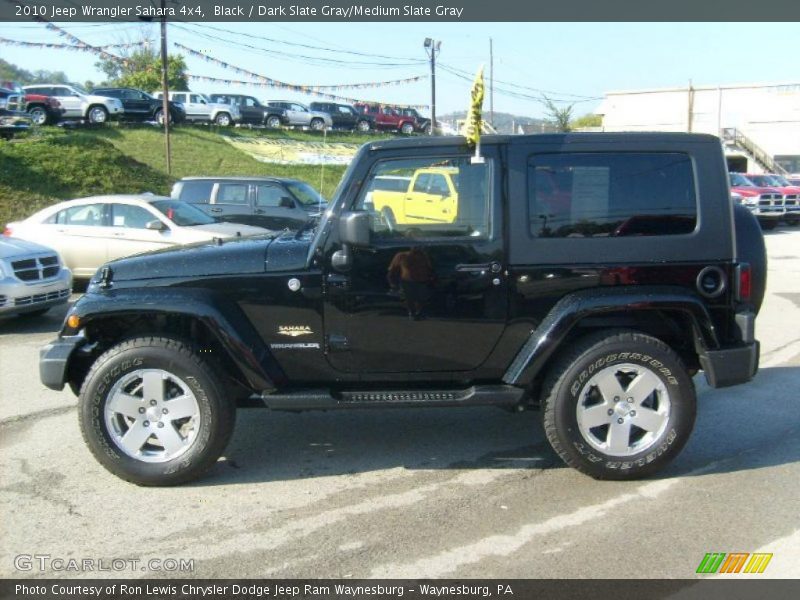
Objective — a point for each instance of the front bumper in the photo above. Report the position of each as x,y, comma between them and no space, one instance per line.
17,297
54,360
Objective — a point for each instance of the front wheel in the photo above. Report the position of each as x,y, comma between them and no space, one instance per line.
362,126
154,413
619,405
160,117
273,122
317,124
407,128
97,115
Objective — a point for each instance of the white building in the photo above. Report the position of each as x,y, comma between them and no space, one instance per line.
760,124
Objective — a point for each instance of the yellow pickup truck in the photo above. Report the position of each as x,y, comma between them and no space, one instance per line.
430,195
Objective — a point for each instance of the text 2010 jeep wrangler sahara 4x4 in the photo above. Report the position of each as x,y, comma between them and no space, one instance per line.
591,275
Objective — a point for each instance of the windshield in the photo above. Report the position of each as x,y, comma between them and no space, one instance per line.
79,89
306,194
740,180
762,180
780,181
182,214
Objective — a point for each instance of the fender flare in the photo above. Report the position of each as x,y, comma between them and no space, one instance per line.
546,339
224,319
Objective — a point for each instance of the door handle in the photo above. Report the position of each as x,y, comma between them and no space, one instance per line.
494,267
216,210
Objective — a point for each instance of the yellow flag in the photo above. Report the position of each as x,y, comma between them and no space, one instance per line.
474,123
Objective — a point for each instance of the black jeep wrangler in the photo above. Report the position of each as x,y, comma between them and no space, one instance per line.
587,275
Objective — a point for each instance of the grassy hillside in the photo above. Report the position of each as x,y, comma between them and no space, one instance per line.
54,164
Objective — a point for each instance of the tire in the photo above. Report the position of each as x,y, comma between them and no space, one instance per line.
317,124
273,122
38,115
750,248
407,128
97,114
768,224
624,449
159,117
223,119
362,126
191,443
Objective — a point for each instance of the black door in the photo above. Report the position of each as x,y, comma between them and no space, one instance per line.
251,110
423,297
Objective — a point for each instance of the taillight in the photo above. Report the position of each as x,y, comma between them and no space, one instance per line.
744,282
7,232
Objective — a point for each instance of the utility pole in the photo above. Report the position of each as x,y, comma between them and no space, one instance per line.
491,83
690,116
432,47
165,87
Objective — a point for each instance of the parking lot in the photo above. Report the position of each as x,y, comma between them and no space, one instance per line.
412,493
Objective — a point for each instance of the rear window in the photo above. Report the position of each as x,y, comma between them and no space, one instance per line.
580,195
195,192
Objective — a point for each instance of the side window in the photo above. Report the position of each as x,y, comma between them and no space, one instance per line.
398,214
196,99
177,98
611,194
438,185
346,110
132,217
269,196
196,192
86,215
232,193
251,102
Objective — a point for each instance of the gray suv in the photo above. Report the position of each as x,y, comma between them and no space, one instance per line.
299,115
270,202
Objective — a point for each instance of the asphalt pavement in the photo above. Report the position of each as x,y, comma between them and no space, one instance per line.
461,493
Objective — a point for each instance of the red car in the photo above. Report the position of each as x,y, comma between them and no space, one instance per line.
43,110
791,194
766,202
387,117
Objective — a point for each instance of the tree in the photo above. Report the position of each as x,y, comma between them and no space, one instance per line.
141,69
561,117
11,72
587,120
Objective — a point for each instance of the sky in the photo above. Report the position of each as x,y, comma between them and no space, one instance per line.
573,63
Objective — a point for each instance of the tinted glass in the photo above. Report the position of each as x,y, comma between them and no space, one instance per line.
610,194
399,214
269,196
232,193
196,192
740,180
181,213
127,215
176,97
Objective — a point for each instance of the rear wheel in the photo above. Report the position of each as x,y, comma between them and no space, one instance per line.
223,119
154,413
317,124
273,122
362,126
406,128
619,405
160,117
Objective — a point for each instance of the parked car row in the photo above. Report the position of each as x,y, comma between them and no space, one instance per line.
47,104
771,198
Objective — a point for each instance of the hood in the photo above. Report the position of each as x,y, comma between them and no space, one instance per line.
747,190
13,247
202,259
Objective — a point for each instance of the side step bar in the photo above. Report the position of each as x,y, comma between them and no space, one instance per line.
477,395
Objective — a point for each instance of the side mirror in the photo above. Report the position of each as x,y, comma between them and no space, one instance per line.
156,225
354,228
